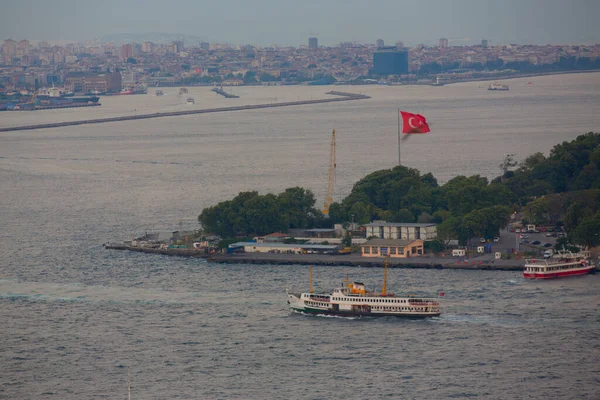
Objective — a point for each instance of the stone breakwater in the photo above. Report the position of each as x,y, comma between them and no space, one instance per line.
353,260
341,97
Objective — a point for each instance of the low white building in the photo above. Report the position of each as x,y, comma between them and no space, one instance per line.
399,230
274,247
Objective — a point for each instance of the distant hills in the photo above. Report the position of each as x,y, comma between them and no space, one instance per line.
155,37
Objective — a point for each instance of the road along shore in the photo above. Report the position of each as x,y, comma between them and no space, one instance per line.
353,260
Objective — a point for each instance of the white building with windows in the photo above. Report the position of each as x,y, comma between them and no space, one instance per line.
399,230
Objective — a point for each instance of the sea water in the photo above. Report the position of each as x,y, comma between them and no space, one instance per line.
75,316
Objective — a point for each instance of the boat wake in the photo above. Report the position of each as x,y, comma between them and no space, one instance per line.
324,315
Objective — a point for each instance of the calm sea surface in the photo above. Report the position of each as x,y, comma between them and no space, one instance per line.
74,317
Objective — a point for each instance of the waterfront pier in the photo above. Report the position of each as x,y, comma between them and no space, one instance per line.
225,94
340,96
351,260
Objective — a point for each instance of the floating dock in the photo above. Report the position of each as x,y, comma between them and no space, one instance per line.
341,97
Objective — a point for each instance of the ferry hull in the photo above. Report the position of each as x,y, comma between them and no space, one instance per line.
365,314
558,274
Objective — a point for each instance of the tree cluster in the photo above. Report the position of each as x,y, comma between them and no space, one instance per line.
250,213
464,207
561,189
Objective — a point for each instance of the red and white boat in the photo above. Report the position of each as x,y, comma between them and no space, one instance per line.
559,265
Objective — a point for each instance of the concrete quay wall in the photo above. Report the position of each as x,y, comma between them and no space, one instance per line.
342,97
352,260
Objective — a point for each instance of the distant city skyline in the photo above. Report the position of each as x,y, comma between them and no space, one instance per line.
269,22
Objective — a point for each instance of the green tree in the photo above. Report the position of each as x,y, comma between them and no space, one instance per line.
347,240
266,77
587,232
250,77
508,163
434,246
403,215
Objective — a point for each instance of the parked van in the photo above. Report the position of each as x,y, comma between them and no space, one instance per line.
548,253
458,253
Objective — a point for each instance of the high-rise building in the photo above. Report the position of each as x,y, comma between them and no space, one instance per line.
205,46
126,51
379,43
313,43
177,46
484,43
147,47
389,61
345,45
443,43
24,46
399,44
9,48
89,81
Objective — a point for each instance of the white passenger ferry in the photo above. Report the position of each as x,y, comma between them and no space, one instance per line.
561,264
353,300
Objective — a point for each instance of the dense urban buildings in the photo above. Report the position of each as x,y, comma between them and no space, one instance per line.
109,67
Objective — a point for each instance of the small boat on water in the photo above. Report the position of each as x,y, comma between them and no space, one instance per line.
497,86
561,264
353,300
190,100
159,92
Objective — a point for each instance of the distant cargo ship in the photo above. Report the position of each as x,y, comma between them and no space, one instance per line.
46,99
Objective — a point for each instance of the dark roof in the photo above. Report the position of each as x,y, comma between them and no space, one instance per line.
389,242
75,74
287,246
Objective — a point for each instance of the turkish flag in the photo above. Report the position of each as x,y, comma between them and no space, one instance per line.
413,123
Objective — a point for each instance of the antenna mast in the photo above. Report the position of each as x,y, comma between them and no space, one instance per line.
331,177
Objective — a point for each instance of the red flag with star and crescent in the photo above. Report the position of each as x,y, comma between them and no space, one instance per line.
413,123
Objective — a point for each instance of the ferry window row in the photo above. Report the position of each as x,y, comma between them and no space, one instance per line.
370,300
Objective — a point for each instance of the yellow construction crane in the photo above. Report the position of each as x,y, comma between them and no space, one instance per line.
331,178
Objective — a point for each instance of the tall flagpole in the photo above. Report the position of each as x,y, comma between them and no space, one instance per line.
399,161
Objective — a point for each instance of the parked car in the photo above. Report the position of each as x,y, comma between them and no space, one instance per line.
496,239
536,242
548,235
547,245
481,240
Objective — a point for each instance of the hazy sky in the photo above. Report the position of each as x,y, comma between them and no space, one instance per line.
287,22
